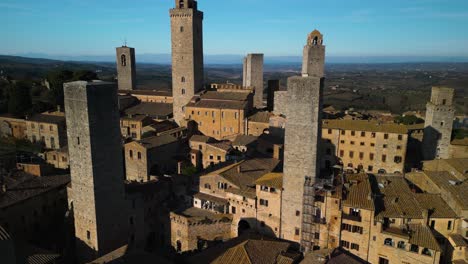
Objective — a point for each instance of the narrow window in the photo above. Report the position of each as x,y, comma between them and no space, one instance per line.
449,225
123,60
296,231
139,155
384,158
183,79
88,235
181,29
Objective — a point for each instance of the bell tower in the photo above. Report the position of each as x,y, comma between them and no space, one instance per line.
313,59
187,54
126,70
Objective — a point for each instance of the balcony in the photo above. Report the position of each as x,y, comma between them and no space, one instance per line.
355,218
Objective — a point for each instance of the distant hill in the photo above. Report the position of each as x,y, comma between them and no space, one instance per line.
237,59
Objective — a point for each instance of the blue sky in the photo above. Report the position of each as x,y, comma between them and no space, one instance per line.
274,27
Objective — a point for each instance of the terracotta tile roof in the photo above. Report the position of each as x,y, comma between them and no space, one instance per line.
437,207
260,117
460,142
156,141
200,138
272,179
134,117
49,119
195,215
458,240
224,145
250,171
147,92
244,140
449,183
461,165
207,197
153,110
422,236
365,125
218,104
395,199
231,96
359,192
4,234
248,192
220,100
254,252
22,186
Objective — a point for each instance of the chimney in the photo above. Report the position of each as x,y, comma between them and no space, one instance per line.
179,167
239,169
425,215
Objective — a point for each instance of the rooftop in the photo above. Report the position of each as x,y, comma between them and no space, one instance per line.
200,138
147,92
153,110
22,186
244,140
194,214
422,236
460,142
223,145
223,100
251,249
49,119
437,207
260,117
272,179
365,125
156,141
395,199
359,194
449,183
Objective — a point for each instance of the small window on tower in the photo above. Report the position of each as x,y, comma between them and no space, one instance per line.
183,79
88,235
183,91
123,60
181,29
444,102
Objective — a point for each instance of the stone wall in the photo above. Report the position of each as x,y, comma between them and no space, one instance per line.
253,76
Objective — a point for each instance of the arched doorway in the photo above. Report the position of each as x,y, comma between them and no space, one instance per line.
179,246
242,227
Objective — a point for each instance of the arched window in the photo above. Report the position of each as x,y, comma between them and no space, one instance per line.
414,248
183,91
315,42
181,29
123,60
426,252
388,242
182,79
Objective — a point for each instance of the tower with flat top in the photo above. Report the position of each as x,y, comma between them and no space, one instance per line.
187,54
438,124
302,135
97,194
253,76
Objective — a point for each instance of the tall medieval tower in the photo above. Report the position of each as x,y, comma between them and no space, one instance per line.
187,54
438,124
303,132
126,69
97,195
253,76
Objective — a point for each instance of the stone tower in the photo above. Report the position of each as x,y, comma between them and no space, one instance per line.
187,54
438,125
303,132
97,195
273,86
126,70
253,76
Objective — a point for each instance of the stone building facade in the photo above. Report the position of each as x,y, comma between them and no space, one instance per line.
97,192
206,152
187,55
126,68
438,124
151,156
220,114
303,132
12,127
58,158
47,129
131,126
253,76
363,145
149,96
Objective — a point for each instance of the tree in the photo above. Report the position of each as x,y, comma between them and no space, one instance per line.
56,79
84,75
19,101
408,120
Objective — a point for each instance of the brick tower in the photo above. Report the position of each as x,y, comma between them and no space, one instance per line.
253,76
126,70
97,195
438,125
187,54
303,132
